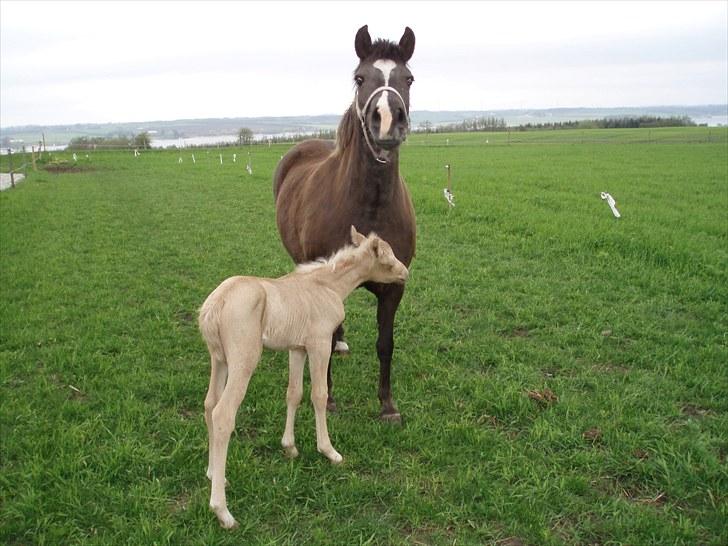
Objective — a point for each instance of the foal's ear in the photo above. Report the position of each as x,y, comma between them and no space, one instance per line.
356,237
407,44
375,246
363,42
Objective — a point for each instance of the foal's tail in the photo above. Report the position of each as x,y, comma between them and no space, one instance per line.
209,322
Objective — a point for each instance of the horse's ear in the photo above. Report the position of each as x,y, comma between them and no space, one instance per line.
407,44
356,237
363,42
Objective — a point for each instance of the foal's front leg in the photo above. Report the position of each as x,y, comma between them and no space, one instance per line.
296,361
318,359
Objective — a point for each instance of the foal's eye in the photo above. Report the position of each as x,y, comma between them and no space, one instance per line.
410,80
358,80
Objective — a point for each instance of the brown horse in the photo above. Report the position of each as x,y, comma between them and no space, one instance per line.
322,188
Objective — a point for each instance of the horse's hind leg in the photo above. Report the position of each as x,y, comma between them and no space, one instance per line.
242,358
340,345
218,377
388,298
336,341
296,362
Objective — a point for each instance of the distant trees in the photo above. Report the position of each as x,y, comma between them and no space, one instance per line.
466,126
143,141
492,124
245,136
90,143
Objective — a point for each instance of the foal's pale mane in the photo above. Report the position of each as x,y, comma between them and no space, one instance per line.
340,255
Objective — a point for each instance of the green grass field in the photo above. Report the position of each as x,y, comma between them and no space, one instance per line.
561,373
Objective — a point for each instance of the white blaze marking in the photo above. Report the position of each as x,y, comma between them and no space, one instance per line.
385,66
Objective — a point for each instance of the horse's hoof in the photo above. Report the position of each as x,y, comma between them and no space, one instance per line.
394,418
291,452
342,348
331,405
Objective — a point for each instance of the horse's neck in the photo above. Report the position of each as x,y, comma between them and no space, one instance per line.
370,183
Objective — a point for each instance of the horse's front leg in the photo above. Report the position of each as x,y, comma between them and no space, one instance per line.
388,298
318,358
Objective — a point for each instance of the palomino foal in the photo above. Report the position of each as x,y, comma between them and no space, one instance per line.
298,312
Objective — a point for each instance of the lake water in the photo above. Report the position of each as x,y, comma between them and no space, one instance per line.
213,140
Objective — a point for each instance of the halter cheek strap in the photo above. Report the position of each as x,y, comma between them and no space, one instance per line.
360,112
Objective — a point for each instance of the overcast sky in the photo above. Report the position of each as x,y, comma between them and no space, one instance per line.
69,62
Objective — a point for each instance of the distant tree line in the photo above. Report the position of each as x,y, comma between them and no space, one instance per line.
140,141
627,122
492,124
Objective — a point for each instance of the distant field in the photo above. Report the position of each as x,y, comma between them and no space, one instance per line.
561,373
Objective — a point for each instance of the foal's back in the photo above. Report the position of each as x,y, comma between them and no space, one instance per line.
284,313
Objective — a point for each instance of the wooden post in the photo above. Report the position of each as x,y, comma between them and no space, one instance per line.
10,163
32,156
44,146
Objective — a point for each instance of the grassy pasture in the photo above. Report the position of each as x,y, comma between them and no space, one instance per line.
562,374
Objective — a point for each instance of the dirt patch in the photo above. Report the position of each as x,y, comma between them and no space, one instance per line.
66,167
543,397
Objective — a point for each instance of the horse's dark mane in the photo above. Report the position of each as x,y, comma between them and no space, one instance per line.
348,128
385,49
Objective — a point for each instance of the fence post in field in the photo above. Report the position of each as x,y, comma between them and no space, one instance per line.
10,163
32,156
44,146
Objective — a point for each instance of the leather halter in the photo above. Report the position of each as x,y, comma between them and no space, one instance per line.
360,112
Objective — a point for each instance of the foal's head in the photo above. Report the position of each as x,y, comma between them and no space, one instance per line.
383,82
384,267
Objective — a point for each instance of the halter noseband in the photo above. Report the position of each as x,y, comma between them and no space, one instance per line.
360,112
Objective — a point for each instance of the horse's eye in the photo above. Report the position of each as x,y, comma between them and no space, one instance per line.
358,80
410,80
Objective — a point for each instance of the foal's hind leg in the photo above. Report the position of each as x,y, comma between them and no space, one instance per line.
296,362
218,377
240,368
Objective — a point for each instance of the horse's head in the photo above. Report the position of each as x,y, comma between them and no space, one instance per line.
383,83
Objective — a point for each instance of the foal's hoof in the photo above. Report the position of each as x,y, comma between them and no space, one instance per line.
331,405
226,519
291,452
395,418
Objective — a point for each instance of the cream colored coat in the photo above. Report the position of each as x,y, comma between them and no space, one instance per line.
299,313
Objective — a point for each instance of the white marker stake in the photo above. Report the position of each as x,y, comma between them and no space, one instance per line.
220,159
447,192
612,204
235,158
74,157
193,159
